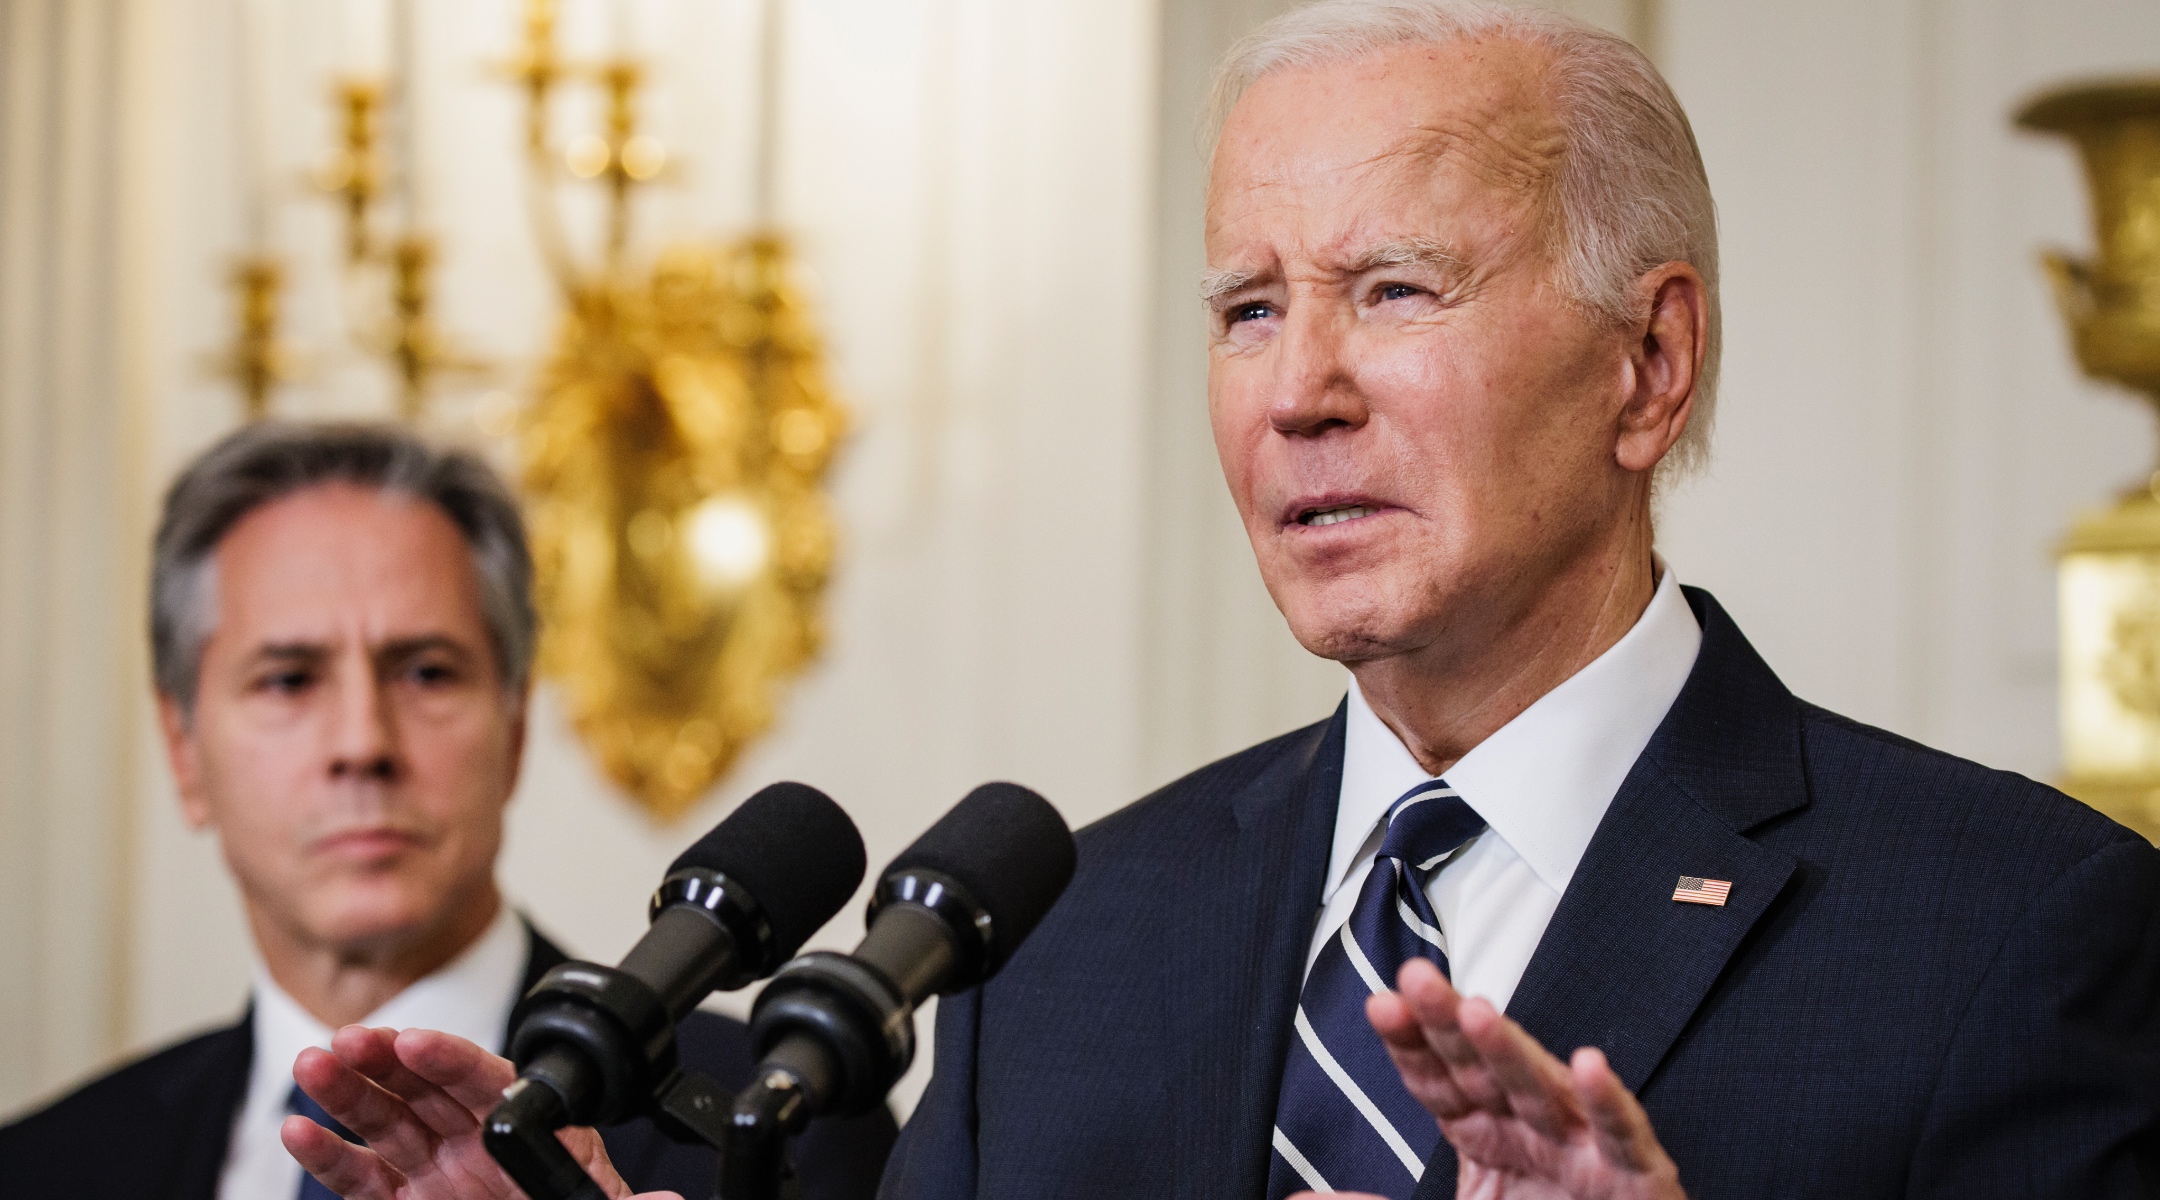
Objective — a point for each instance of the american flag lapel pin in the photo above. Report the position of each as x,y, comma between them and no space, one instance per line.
1695,890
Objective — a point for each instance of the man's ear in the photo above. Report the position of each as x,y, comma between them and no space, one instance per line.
1667,359
518,717
184,756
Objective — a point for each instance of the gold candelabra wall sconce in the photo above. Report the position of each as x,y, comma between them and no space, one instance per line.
674,442
2109,563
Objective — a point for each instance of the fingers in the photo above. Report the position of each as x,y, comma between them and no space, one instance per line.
1505,1102
1438,1010
464,1072
468,1082
1462,1056
391,1128
1424,1072
584,1144
1538,1086
373,1053
1622,1127
417,1096
354,1172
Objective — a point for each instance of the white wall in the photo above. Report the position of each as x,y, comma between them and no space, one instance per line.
67,664
1903,434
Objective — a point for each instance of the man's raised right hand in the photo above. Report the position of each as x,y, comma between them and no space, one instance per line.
418,1098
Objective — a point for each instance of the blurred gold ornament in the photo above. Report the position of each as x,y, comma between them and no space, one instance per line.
355,172
257,361
674,455
673,461
418,349
2109,576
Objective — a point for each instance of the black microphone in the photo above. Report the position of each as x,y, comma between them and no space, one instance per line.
732,909
837,1031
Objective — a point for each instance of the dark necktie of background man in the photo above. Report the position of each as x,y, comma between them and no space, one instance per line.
1344,1121
304,1105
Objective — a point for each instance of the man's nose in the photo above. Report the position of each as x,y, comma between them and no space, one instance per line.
1315,388
364,740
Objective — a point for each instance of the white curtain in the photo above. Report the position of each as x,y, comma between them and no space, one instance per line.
70,667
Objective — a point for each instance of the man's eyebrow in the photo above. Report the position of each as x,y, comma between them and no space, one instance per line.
390,651
291,650
1408,252
406,647
1217,282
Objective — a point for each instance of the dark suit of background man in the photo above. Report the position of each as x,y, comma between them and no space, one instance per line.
1463,274
342,628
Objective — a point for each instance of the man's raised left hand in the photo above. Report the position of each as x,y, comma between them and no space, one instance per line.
1524,1125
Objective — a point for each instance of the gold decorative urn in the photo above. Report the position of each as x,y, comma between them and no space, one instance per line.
2109,572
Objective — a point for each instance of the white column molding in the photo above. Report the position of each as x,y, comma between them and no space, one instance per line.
69,666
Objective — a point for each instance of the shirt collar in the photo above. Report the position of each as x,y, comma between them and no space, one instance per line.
1544,780
470,996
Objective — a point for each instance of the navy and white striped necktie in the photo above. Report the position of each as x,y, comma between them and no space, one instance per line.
1343,1120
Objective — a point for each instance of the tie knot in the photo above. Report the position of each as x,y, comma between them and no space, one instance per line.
1428,824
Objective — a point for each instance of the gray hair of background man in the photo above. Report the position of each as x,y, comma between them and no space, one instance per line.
1631,192
269,460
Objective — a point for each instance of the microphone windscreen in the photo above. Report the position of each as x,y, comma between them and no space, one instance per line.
793,850
1009,849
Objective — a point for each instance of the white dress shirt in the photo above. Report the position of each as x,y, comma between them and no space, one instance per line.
470,996
1542,782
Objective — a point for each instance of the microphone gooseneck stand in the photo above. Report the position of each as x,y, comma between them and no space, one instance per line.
750,1134
835,1031
817,1014
596,1045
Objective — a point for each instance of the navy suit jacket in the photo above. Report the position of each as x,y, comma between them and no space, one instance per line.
157,1128
1931,980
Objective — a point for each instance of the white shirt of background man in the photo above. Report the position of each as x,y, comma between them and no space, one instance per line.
470,996
1542,782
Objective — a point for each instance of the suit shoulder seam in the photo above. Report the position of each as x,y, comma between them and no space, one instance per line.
1226,773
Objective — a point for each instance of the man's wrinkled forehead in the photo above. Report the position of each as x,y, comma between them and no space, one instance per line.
1404,121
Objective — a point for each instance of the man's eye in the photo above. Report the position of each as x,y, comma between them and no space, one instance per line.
286,683
1255,311
433,674
1396,291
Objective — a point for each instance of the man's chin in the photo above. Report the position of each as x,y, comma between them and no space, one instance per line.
1347,643
366,921
1340,619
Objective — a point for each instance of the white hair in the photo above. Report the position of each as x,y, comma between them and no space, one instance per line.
1630,192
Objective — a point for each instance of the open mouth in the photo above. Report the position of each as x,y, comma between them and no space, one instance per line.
1334,516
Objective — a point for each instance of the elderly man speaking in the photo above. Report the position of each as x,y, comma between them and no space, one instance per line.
1463,272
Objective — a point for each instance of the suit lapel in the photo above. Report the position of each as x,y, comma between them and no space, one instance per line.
200,1107
1238,958
1623,966
541,956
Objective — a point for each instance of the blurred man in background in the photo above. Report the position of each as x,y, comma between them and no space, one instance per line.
343,631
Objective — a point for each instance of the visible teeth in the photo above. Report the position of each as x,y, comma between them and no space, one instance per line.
1332,515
